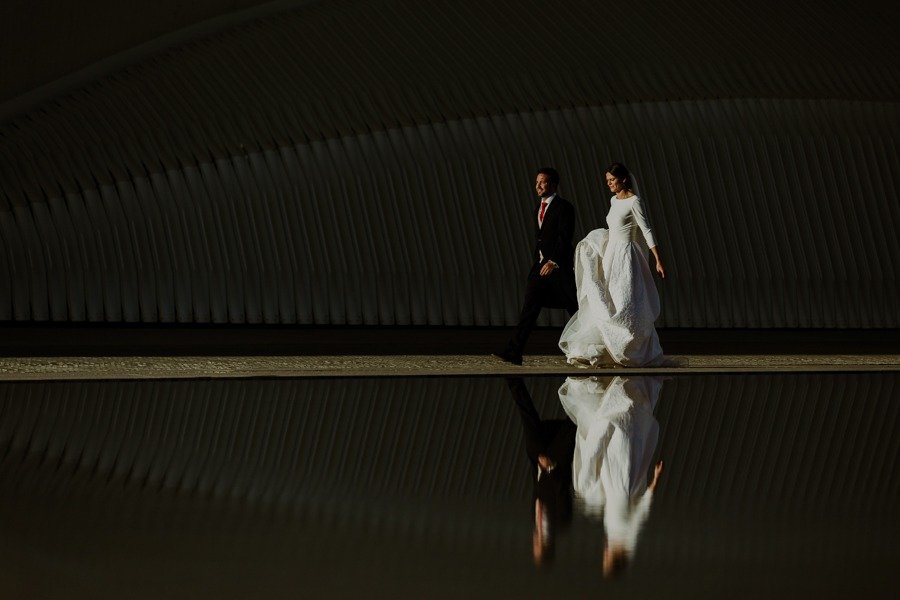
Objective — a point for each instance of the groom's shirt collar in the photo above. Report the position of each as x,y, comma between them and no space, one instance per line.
549,199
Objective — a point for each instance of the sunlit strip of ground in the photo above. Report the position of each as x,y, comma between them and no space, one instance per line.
176,367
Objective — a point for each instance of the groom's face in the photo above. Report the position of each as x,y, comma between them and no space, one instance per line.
543,187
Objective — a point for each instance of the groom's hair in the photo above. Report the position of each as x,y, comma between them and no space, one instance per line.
551,174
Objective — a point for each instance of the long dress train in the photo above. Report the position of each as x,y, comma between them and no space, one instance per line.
617,299
614,444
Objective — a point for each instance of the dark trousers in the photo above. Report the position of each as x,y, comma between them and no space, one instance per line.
556,290
554,439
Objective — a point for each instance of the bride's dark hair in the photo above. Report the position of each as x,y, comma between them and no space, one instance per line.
620,171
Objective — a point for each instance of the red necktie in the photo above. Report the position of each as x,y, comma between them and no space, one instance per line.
543,208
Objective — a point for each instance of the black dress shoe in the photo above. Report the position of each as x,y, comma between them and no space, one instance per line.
507,356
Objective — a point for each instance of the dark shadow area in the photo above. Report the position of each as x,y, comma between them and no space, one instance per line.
274,340
779,486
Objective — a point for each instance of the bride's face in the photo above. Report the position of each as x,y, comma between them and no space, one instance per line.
614,183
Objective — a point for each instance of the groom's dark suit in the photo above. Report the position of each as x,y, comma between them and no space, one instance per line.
554,439
556,290
554,236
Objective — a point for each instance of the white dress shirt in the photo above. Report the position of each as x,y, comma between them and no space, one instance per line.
548,200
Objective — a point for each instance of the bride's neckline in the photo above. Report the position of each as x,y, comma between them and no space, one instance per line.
631,197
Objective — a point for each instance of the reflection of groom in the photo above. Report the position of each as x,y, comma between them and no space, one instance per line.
549,446
551,280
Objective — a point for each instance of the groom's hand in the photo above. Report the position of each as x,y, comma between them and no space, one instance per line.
547,268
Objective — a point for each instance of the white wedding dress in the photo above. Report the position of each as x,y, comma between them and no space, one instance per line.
617,299
614,445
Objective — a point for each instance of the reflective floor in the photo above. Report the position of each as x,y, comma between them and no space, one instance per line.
688,486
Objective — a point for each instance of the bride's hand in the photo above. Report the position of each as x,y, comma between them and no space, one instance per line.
659,266
656,473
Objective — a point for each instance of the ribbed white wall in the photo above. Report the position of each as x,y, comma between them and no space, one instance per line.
233,180
346,450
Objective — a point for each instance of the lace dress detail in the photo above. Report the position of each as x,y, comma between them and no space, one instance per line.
614,445
617,299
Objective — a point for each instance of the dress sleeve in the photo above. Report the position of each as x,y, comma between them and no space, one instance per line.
643,221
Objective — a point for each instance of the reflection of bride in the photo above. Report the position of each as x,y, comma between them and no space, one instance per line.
614,445
617,299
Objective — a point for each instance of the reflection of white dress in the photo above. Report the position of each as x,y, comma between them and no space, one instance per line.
614,444
617,299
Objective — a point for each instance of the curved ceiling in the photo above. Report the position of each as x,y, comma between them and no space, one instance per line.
45,40
171,175
563,50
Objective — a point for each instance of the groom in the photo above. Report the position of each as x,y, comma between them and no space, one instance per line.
550,445
551,280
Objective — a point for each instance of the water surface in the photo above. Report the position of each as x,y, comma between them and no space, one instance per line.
773,485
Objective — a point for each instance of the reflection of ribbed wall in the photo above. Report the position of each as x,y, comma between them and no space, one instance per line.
441,462
270,442
788,443
298,484
808,444
311,167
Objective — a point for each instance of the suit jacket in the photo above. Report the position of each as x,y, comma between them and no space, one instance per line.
555,439
554,238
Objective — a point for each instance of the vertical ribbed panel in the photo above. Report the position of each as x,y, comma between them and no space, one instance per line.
753,442
782,226
378,455
347,162
810,445
421,488
270,441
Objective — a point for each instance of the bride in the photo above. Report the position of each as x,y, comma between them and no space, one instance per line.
617,298
615,439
